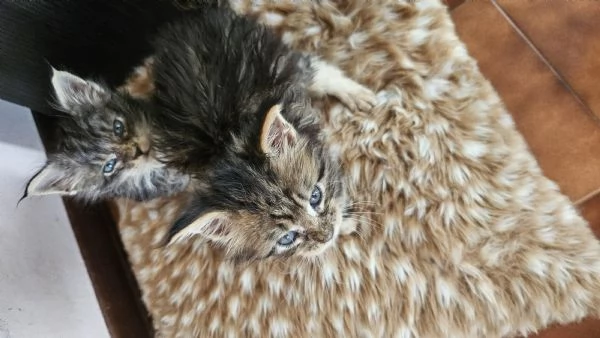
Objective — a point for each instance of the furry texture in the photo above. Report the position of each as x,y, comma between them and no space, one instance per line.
232,109
216,75
459,233
105,148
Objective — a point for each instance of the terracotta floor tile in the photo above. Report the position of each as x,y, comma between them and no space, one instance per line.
590,210
453,3
567,33
588,328
562,136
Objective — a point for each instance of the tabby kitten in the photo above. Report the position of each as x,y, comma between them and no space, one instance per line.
232,108
105,148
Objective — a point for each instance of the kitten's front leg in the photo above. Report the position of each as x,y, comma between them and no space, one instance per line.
330,80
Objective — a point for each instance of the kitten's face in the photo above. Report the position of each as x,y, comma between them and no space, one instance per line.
302,210
105,148
290,203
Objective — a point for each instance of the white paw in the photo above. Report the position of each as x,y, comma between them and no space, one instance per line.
356,97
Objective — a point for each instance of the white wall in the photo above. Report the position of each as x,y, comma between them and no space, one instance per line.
45,290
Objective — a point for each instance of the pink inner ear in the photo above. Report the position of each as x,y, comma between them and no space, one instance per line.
290,136
217,227
277,133
68,82
78,87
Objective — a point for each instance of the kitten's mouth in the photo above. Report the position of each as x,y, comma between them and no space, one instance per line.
322,247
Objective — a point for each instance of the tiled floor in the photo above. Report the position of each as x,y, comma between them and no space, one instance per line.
542,58
557,122
44,288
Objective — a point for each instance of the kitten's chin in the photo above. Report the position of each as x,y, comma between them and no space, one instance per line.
321,249
341,227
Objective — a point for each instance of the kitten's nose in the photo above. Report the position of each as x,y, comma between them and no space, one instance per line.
138,152
142,146
323,236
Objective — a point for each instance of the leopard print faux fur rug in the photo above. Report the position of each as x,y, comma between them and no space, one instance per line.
461,235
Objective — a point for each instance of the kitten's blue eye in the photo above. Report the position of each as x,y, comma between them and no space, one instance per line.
109,166
288,239
315,197
118,128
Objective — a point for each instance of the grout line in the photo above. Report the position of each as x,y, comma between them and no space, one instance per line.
587,197
548,64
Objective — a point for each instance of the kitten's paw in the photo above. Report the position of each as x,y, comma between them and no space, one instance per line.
356,97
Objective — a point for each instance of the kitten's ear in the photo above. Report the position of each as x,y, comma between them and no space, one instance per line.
51,179
72,90
213,225
276,133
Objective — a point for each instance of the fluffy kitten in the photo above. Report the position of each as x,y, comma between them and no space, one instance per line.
105,147
233,109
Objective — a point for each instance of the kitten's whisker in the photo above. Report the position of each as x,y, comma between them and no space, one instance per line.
370,221
363,203
366,212
361,214
362,206
359,206
361,234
